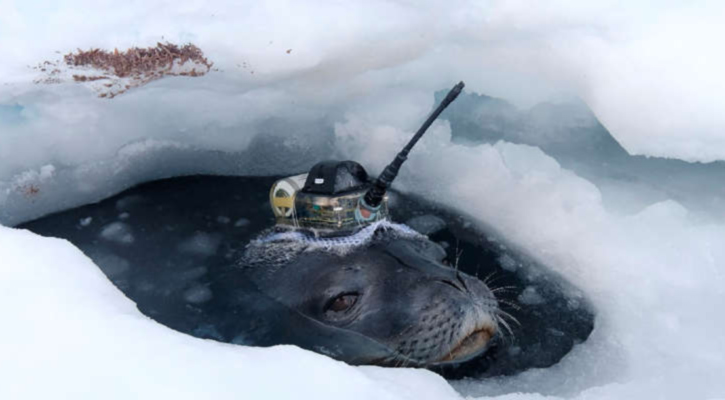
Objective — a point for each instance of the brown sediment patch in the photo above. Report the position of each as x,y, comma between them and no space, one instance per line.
84,78
52,74
140,62
30,190
124,70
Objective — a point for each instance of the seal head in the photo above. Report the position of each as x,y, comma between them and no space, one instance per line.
386,284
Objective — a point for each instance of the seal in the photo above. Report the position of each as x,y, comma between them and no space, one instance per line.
387,284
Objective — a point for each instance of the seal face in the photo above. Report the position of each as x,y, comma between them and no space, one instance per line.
387,284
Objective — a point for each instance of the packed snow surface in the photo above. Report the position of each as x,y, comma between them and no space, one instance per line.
70,334
297,82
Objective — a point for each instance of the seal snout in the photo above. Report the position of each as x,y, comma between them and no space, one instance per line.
457,283
470,345
477,321
456,320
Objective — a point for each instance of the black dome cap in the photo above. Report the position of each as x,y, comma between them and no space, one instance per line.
334,177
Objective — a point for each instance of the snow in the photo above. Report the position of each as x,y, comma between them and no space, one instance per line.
650,73
70,333
117,232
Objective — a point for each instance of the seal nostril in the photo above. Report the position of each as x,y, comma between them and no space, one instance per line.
449,283
460,279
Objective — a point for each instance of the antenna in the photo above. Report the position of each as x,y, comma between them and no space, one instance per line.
375,194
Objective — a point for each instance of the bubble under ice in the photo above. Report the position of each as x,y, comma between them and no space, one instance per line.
118,232
198,294
201,244
530,296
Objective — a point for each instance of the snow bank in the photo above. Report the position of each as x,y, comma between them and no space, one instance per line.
298,83
655,277
69,333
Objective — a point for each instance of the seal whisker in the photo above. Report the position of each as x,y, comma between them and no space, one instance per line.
493,278
396,359
406,330
501,288
458,255
402,360
509,303
502,322
513,319
504,290
501,292
489,276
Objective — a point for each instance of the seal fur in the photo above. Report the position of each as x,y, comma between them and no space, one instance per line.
402,297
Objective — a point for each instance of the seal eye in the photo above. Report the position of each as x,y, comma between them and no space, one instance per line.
341,303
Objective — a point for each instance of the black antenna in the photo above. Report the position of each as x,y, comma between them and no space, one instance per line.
375,195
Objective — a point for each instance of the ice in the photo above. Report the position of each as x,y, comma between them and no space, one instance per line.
117,232
193,273
241,222
201,244
530,296
640,270
642,237
113,265
198,294
426,224
508,263
85,221
208,331
568,131
128,203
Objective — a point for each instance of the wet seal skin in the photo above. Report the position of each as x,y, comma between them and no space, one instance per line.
386,283
191,256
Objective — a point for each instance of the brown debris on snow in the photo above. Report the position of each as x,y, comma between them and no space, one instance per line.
30,190
124,70
136,62
51,72
84,78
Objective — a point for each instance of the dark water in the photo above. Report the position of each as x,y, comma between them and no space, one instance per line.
168,244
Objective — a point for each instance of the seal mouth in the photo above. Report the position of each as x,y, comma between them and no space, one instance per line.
469,346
